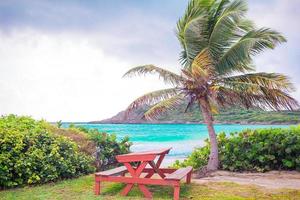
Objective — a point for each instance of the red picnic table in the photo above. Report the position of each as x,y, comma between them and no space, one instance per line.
142,176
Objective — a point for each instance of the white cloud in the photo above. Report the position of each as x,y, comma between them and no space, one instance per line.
64,76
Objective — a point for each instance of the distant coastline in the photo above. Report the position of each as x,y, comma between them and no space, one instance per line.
228,116
171,122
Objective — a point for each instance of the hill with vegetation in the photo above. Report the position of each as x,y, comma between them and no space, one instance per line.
225,116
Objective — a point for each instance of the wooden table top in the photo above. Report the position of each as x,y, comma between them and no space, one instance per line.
142,156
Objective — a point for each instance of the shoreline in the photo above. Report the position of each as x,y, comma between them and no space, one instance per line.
200,123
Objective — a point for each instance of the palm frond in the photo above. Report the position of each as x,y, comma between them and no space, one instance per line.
244,26
263,90
238,57
215,13
167,76
203,66
262,39
194,9
152,98
192,29
226,26
266,99
258,81
195,39
164,106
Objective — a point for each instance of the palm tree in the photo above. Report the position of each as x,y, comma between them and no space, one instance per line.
218,44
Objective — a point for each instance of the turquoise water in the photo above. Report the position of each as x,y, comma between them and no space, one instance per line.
183,138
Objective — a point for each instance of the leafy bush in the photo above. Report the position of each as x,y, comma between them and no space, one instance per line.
253,150
107,147
84,143
197,159
30,153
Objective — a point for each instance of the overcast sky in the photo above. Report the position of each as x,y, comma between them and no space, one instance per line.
64,60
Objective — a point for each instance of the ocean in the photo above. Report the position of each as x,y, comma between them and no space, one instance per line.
183,138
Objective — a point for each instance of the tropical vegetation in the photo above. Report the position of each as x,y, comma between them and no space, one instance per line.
33,152
253,150
107,147
218,45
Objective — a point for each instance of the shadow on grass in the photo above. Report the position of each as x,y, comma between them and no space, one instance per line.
158,192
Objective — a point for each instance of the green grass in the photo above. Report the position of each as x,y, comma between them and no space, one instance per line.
82,188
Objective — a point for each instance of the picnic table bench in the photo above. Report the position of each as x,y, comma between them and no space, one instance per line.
141,175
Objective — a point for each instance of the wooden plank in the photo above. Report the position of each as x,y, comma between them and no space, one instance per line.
179,174
142,156
130,169
164,170
159,161
155,166
135,158
140,169
156,169
153,152
115,171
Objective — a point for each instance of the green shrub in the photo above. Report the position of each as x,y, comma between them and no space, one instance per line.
253,150
79,128
30,153
107,147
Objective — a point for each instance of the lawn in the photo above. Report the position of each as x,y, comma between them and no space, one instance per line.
82,188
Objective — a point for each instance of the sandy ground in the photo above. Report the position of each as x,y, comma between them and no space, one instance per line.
272,180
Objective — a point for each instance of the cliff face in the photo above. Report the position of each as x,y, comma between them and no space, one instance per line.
121,118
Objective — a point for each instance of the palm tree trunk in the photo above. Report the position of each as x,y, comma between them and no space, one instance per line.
213,162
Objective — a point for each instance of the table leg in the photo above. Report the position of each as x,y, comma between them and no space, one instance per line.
130,169
149,175
135,173
159,161
176,192
145,191
127,189
140,169
97,187
189,177
156,167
